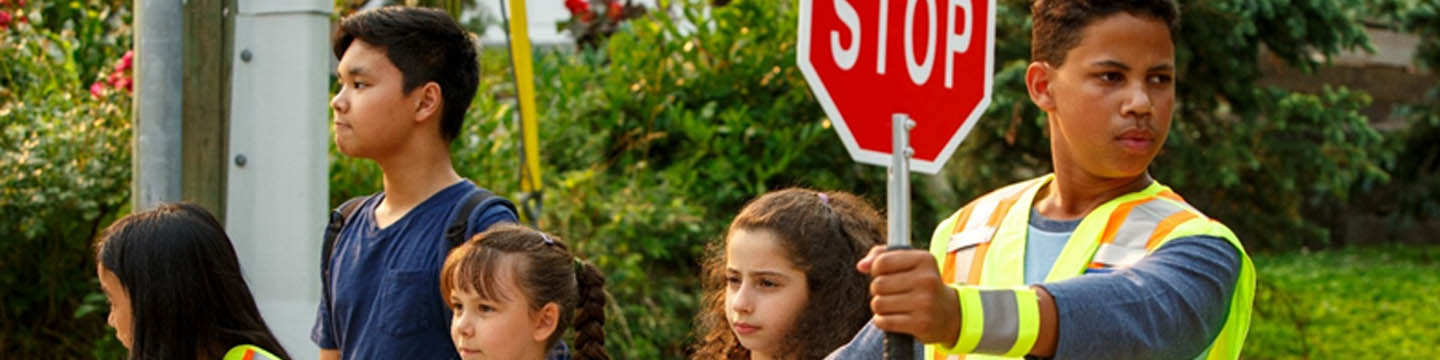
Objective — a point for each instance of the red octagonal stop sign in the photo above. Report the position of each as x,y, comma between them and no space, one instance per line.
867,60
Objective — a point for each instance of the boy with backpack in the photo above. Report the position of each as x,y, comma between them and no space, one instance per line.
406,77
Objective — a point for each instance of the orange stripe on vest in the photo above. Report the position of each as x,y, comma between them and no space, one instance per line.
1166,226
977,265
949,276
1117,218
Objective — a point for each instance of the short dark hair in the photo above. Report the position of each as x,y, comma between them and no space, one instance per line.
426,45
824,234
1059,24
187,294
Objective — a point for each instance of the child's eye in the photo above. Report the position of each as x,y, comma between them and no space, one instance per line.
1110,77
768,284
732,280
1160,79
359,85
487,308
457,307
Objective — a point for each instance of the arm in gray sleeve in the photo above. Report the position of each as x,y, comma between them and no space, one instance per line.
1169,305
869,344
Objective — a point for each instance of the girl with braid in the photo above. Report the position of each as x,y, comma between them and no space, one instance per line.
782,284
514,291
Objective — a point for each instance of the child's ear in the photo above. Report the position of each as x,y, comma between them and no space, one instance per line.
430,101
546,321
1037,82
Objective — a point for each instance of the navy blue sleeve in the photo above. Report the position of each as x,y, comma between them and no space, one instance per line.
493,213
321,332
1169,305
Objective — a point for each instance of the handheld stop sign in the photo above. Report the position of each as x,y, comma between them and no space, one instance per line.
912,75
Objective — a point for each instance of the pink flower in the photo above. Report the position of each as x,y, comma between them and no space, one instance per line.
125,83
21,3
125,61
113,78
615,11
97,89
4,20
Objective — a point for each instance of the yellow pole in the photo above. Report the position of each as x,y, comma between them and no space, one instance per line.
525,86
453,7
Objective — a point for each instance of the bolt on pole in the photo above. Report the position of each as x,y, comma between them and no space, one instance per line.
899,346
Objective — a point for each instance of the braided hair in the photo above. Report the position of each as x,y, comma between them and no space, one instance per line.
550,275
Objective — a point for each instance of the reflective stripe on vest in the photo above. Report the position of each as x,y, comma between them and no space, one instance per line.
965,250
985,246
1132,228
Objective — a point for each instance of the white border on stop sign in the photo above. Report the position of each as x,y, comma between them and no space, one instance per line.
812,78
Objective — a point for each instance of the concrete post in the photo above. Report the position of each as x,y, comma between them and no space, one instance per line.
277,198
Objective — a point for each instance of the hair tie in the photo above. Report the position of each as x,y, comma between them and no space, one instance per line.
548,240
824,198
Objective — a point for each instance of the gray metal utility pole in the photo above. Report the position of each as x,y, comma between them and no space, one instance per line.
159,45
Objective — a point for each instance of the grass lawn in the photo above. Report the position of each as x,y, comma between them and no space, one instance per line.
1360,303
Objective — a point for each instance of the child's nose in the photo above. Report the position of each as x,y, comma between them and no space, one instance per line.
463,327
743,301
339,103
1139,103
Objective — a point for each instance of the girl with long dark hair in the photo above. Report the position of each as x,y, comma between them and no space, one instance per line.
175,287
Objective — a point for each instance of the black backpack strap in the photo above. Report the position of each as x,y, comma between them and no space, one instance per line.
338,219
477,200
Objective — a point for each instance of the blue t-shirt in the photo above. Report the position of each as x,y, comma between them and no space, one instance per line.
384,300
1043,244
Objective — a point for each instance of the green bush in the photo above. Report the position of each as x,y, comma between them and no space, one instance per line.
656,141
1414,198
65,160
1352,303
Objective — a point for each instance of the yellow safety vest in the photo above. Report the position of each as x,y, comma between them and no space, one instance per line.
249,352
983,246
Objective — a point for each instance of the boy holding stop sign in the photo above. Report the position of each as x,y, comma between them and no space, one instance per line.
1097,260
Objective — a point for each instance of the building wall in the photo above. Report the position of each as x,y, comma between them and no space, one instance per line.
1388,75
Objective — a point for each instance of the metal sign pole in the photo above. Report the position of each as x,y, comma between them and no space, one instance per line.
899,346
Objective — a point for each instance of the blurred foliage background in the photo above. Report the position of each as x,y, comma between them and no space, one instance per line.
657,132
65,108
